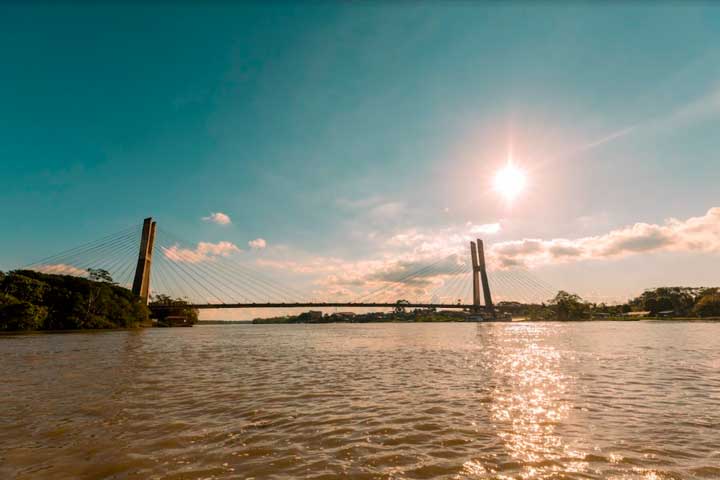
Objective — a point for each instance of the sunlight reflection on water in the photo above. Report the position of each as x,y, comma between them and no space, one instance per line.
531,403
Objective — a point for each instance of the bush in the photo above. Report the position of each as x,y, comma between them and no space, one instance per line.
569,306
708,305
174,307
16,314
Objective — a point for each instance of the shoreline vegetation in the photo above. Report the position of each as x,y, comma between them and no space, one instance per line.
31,301
664,303
35,301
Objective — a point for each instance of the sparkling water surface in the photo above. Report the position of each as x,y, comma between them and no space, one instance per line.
597,400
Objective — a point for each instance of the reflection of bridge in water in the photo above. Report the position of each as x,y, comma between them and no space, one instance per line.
211,276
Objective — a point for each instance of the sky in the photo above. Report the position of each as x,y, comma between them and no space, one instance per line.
329,143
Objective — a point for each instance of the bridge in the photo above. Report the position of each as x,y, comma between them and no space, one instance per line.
218,276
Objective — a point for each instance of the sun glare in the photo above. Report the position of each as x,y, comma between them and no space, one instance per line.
510,181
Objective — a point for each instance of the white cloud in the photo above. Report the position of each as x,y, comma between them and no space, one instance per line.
411,250
402,253
61,269
338,278
375,209
257,244
696,234
387,210
203,252
443,241
219,218
487,228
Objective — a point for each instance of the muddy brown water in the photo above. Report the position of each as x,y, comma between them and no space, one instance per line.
630,400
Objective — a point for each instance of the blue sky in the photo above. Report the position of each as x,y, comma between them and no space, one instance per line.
361,132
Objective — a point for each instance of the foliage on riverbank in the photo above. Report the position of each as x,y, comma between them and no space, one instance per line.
174,310
32,300
418,316
663,302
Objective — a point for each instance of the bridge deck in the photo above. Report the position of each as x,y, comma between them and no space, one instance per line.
322,305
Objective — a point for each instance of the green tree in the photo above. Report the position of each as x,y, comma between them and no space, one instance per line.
679,300
99,275
569,306
24,287
172,307
16,314
708,305
64,302
401,305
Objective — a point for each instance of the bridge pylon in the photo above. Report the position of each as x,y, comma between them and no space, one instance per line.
141,283
480,278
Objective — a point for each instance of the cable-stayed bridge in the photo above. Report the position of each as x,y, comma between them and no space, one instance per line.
154,262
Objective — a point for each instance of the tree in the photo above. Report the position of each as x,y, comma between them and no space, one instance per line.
400,306
708,305
679,300
569,306
172,307
100,275
19,315
23,287
35,300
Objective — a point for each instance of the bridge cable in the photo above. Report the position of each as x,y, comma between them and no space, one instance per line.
209,276
444,287
79,247
255,284
79,259
253,281
392,283
178,266
79,255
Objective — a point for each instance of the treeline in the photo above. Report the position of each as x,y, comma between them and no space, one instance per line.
32,300
679,301
172,311
417,315
664,301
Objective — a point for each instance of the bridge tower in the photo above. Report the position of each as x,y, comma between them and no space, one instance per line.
475,278
477,253
141,283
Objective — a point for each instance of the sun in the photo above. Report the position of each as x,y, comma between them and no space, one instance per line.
510,181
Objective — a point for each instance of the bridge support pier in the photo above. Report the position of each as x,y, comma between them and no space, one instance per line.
489,308
141,283
479,271
475,278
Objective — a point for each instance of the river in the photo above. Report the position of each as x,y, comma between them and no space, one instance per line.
605,400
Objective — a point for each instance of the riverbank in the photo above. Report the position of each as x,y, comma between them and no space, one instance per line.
439,318
417,316
31,300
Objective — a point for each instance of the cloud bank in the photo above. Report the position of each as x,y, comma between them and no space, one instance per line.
411,250
61,269
203,252
488,228
219,218
696,234
257,244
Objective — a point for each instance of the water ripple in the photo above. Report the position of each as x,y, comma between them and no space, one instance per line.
390,401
